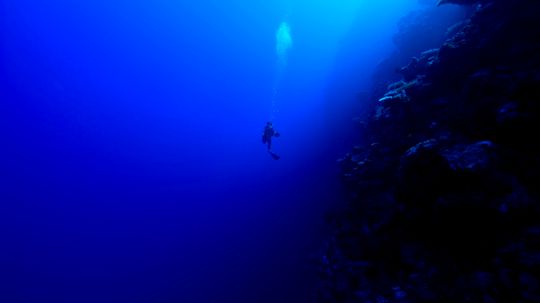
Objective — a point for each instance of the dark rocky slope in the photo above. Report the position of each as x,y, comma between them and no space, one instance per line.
444,196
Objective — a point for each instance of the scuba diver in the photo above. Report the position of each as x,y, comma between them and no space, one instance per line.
267,135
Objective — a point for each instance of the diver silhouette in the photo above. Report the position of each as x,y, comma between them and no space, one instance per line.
268,133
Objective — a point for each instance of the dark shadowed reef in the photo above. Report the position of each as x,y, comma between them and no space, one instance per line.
443,185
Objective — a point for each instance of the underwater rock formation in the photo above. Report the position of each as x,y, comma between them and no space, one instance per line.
419,31
444,196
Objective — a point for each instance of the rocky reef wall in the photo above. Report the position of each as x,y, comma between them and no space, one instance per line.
444,183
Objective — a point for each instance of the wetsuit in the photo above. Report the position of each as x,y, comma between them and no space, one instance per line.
268,133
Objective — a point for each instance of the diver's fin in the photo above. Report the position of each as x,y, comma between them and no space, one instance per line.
274,155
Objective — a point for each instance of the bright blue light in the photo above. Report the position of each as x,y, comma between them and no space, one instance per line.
283,42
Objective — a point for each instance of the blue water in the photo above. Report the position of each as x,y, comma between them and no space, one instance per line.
132,165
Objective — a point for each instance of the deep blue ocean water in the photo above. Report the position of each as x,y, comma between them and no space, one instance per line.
132,165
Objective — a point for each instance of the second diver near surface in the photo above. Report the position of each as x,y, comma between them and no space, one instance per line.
268,133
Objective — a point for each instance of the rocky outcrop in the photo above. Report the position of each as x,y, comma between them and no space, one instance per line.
444,197
417,32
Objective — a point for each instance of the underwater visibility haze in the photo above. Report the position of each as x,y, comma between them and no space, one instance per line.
132,163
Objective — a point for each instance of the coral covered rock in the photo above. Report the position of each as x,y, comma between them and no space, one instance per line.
444,198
